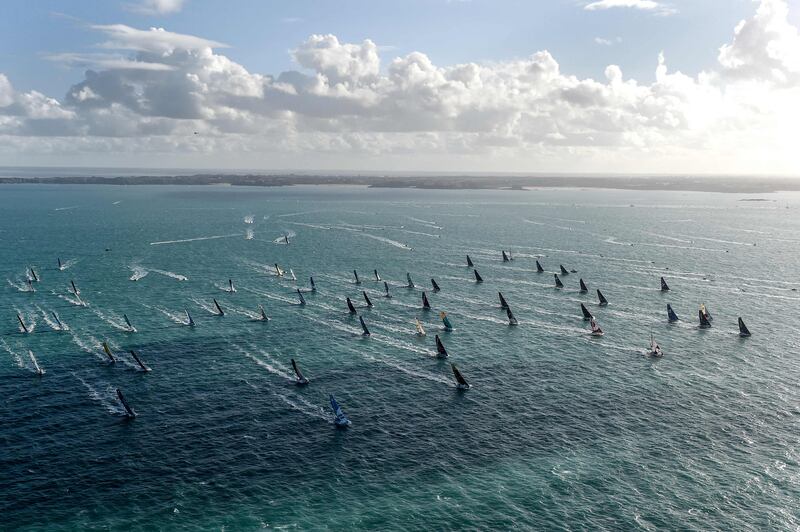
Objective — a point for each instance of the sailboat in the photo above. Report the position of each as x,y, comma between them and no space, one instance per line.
350,307
563,270
506,258
446,321
60,265
583,287
24,327
601,298
313,284
219,309
30,286
461,382
300,379
292,275
585,311
559,284
410,282
671,316
469,262
278,270
262,315
108,352
386,287
744,332
441,352
425,304
139,361
511,319
366,298
302,300
34,277
418,325
596,330
39,370
190,323
478,278
75,288
286,238
377,277
131,328
705,311
664,285
539,268
339,419
435,285
231,288
129,412
58,321
355,276
503,303
363,326
655,349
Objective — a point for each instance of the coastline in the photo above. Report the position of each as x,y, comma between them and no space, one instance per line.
722,184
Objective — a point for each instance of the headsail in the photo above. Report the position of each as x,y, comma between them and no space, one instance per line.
601,298
108,352
478,278
469,262
671,316
441,352
129,411
655,349
131,328
425,304
435,285
505,257
418,325
704,323
503,303
139,361
559,284
300,297
22,324
539,268
190,323
563,270
386,287
350,307
363,326
366,298
410,282
299,377
462,382
511,319
39,370
743,330
377,277
340,419
586,314
705,311
664,285
355,276
583,286
446,321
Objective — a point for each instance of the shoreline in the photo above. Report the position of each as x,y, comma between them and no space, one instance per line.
731,185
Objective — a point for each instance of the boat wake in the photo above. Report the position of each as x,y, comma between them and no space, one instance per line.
104,394
18,359
266,364
173,275
296,402
138,273
196,239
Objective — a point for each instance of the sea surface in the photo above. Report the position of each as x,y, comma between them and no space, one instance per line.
560,430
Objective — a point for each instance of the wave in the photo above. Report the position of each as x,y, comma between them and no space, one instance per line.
174,275
68,264
266,364
54,325
71,298
107,396
29,318
116,321
175,317
282,239
249,234
313,226
208,307
66,208
138,273
301,405
162,242
18,359
249,219
389,241
20,286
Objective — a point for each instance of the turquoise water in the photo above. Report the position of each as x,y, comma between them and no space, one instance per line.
560,430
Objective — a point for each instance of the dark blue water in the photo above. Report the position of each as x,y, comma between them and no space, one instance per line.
559,430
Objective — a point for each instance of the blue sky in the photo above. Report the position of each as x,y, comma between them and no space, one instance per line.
496,35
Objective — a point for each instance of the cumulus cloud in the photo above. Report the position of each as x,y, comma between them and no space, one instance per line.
645,5
343,107
157,7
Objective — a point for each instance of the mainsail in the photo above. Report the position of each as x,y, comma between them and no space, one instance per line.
441,352
511,319
386,287
505,257
462,382
435,285
355,275
539,268
425,304
350,307
469,262
559,284
586,314
39,370
139,361
129,411
601,298
410,282
743,330
446,321
478,278
219,309
704,323
108,352
418,325
300,297
299,377
664,285
131,328
340,419
563,270
583,286
503,303
363,326
671,316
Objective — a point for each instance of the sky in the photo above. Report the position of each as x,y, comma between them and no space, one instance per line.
536,86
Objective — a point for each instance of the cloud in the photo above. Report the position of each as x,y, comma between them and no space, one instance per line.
157,7
343,107
104,61
602,41
645,5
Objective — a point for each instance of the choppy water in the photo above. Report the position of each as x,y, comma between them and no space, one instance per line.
560,430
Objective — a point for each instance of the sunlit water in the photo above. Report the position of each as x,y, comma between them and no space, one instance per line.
559,430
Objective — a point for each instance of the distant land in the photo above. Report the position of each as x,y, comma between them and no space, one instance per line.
729,184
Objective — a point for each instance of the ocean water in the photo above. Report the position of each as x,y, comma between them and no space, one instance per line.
560,430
